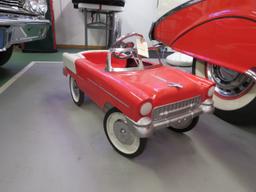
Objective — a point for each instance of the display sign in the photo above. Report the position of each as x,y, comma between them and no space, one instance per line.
142,47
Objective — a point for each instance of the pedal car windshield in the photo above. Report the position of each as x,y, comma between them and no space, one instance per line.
134,50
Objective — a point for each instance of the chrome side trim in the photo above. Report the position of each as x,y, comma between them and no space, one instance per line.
110,94
252,73
160,78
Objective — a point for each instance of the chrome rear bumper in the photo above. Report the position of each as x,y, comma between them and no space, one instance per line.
146,126
16,31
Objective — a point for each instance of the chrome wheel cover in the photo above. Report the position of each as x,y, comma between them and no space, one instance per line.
229,83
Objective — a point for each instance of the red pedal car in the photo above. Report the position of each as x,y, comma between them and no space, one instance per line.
140,96
220,36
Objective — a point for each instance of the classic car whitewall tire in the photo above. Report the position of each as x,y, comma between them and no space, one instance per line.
233,104
185,126
5,56
120,136
76,94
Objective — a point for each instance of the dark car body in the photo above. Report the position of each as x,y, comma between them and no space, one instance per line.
18,25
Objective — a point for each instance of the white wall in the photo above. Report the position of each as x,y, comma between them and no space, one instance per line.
137,17
64,23
69,23
166,5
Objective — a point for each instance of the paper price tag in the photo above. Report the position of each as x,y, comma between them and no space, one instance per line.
142,47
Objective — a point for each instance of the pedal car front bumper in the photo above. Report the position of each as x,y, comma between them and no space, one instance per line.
146,126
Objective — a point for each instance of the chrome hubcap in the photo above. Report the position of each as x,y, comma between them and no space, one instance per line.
122,132
229,83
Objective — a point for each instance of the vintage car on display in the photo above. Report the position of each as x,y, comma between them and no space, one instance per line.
21,21
220,36
139,95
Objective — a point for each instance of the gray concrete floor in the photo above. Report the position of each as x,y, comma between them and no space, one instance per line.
47,144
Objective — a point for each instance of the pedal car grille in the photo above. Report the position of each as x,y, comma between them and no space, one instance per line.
173,110
12,3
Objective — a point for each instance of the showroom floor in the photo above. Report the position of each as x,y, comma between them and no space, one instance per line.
48,144
19,60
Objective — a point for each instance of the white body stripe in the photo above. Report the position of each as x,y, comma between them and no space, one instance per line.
69,61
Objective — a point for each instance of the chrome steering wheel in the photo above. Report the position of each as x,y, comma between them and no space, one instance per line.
124,50
122,53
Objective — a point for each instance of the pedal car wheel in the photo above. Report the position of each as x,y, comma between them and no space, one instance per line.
184,126
235,93
120,136
76,94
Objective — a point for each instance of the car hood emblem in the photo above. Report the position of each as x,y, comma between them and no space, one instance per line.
170,84
177,85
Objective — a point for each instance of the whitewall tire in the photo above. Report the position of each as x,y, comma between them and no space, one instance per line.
76,94
120,136
235,93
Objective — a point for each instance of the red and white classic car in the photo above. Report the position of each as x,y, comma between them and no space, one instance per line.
139,96
220,36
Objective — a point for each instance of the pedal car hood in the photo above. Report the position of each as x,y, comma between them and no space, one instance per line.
165,84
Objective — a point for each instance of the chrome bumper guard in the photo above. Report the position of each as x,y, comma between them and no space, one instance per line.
146,126
16,31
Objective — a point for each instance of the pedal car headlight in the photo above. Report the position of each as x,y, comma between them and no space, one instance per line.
211,91
146,108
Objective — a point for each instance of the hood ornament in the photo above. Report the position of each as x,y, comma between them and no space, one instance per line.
170,84
177,85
